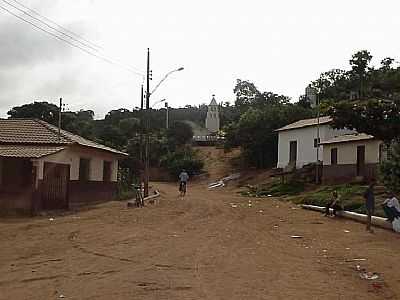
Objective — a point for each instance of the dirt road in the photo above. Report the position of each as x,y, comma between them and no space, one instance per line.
211,245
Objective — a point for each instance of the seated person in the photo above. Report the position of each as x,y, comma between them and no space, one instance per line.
391,207
334,203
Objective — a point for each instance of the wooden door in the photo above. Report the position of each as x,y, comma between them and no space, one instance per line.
293,152
55,186
360,160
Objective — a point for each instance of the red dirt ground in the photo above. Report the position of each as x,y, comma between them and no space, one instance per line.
197,248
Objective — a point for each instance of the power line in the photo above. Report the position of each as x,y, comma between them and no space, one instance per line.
117,61
51,27
56,24
72,44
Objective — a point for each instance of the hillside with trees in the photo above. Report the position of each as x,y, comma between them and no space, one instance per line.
364,98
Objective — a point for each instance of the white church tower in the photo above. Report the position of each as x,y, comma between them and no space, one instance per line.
212,120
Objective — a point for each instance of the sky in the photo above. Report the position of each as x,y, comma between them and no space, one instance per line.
279,45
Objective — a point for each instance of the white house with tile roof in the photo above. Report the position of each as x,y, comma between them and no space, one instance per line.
298,143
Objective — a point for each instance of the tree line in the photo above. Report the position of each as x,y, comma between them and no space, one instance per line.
364,98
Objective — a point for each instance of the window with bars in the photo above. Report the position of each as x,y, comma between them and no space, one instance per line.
316,142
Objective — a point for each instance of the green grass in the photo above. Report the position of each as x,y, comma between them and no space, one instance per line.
297,192
351,196
275,189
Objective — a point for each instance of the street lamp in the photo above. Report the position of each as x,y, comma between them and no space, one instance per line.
166,107
165,77
158,102
147,158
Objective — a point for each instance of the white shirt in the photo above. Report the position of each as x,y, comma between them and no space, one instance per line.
393,202
183,177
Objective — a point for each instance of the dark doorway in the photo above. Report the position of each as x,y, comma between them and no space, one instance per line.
107,171
360,160
55,186
334,156
293,153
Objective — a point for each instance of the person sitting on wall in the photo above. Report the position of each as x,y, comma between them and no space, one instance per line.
391,207
334,203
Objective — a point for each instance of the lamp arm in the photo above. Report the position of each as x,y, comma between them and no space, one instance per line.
162,80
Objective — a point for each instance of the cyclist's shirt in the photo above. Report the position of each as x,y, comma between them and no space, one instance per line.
183,177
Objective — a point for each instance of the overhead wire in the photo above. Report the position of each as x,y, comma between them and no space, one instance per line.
108,60
51,27
56,24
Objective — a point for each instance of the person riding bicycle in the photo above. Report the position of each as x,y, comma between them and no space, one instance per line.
183,178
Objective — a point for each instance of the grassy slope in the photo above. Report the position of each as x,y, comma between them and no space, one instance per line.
300,193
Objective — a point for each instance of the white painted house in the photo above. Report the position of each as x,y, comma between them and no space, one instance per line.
352,155
298,143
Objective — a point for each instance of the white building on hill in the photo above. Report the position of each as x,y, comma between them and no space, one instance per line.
212,120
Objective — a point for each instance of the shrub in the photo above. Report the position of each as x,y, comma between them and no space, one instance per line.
275,189
184,158
390,170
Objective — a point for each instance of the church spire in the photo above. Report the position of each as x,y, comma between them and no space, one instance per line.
213,101
212,120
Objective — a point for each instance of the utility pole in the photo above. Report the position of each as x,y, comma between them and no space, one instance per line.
167,120
318,141
141,98
146,154
59,120
141,134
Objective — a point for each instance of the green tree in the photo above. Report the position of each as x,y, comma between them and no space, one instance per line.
380,118
333,85
359,63
256,135
183,158
40,110
390,170
179,134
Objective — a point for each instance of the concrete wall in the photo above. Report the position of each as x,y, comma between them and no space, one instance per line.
306,152
345,173
72,155
347,152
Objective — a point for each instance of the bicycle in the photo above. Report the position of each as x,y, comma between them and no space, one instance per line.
139,200
182,188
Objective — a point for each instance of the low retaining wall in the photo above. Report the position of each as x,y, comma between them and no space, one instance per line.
83,193
376,221
333,174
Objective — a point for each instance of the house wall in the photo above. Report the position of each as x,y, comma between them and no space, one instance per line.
72,155
306,153
80,192
346,168
16,186
347,152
